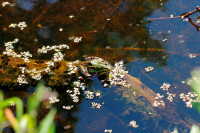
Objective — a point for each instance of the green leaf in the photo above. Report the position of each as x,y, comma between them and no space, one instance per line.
45,125
195,129
1,95
34,100
19,105
28,124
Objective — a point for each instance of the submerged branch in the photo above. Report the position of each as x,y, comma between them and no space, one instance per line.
185,16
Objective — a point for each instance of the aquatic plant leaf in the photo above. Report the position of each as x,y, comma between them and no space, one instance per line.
52,128
19,105
34,100
45,125
194,81
1,96
195,129
175,130
28,124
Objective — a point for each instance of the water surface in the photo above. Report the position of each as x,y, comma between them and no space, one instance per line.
114,30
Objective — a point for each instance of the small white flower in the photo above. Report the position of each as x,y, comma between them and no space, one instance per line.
68,107
22,79
158,103
5,3
159,96
149,69
71,16
21,25
170,96
53,100
12,25
133,124
171,16
77,39
96,105
61,29
165,86
108,131
12,103
192,55
98,94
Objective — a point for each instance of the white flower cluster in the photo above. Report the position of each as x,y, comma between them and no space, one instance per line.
198,21
58,56
22,79
108,131
12,103
53,100
165,86
5,3
116,75
89,94
10,51
71,16
192,55
170,96
68,107
20,25
133,124
45,49
105,85
47,69
158,96
158,102
96,105
149,69
75,97
23,69
72,68
189,98
98,94
76,90
77,39
35,74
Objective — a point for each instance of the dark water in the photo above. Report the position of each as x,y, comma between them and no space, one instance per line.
108,28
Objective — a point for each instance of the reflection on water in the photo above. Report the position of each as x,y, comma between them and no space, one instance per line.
113,30
44,32
26,4
102,24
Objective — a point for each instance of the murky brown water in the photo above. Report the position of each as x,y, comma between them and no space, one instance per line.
113,30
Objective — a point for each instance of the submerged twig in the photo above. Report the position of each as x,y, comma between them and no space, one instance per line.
184,16
192,12
36,19
163,18
187,17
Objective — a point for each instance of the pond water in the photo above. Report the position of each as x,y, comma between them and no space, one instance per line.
139,32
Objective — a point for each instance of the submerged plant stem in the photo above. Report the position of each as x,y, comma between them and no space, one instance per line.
11,118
